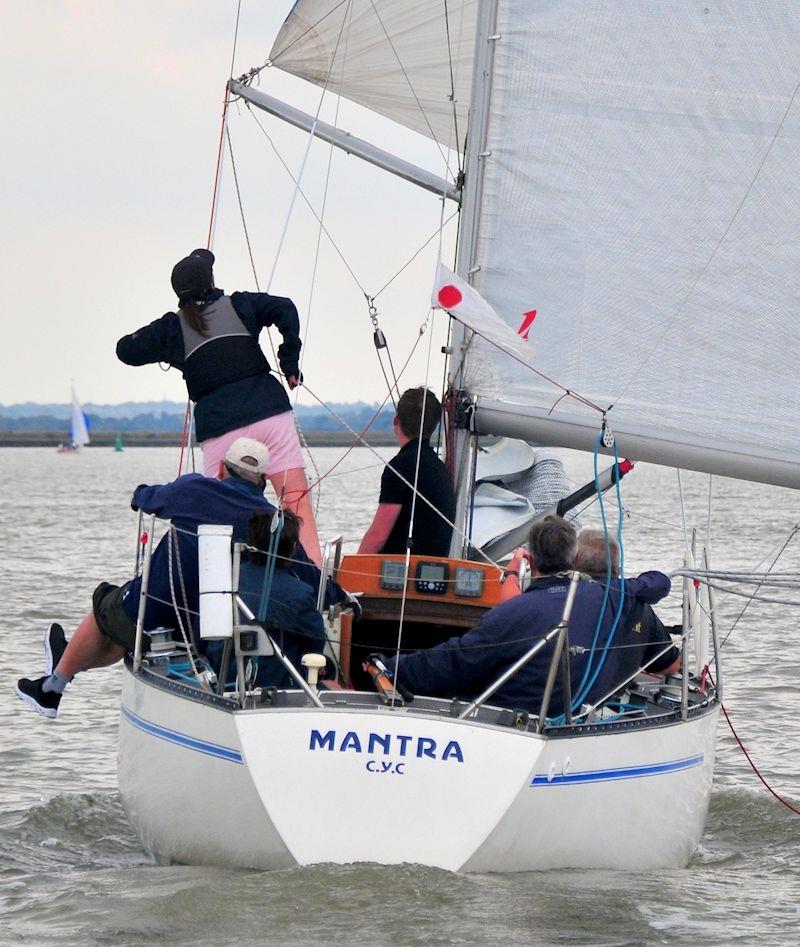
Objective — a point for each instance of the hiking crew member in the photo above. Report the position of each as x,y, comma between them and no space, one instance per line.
213,340
108,631
388,532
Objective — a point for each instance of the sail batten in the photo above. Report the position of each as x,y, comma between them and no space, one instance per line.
640,193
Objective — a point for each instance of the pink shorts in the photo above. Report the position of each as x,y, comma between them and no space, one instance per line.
278,433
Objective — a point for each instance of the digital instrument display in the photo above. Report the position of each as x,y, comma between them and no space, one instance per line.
469,582
432,578
393,575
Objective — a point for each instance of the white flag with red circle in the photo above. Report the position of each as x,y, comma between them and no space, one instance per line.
465,304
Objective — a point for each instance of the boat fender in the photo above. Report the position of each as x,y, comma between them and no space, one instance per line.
215,581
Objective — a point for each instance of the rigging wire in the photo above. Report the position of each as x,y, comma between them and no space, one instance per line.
214,204
567,392
361,440
436,233
360,436
424,114
453,89
297,39
306,199
414,495
781,551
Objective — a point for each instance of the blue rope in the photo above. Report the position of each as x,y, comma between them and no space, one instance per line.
586,685
184,677
276,527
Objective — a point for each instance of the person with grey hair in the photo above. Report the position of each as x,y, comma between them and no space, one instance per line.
464,666
637,644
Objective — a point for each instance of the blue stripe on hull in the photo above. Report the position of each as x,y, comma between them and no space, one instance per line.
623,772
181,739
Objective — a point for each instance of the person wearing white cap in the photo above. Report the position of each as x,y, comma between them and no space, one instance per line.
107,632
213,340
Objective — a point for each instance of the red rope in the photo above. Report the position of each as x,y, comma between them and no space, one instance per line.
755,769
184,437
371,421
218,171
217,175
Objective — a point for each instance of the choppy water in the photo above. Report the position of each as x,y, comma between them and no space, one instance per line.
72,872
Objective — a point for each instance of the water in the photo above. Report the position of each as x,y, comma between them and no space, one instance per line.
72,872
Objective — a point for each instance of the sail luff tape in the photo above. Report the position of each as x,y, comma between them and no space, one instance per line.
215,575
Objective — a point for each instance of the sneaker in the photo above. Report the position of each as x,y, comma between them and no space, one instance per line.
43,702
55,644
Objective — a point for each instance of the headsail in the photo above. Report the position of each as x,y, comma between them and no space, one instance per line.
392,57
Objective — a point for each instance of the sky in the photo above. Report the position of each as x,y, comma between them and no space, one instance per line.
111,115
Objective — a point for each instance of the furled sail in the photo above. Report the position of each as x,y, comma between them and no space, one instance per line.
393,57
640,194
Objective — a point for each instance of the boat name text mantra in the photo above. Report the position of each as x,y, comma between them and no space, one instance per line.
403,745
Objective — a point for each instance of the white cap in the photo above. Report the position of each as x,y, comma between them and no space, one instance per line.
249,454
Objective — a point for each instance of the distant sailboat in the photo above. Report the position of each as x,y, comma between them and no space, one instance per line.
118,445
79,428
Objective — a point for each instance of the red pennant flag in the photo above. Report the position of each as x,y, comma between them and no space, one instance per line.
527,322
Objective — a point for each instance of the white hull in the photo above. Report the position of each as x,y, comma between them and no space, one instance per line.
273,787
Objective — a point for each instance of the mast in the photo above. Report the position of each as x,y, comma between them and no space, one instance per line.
483,63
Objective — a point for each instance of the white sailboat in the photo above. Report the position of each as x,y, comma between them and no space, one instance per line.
623,175
78,428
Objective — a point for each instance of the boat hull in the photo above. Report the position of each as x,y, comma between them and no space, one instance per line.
274,787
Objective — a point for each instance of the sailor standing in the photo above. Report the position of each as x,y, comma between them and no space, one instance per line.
213,340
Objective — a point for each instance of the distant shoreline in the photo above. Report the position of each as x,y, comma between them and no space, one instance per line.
173,439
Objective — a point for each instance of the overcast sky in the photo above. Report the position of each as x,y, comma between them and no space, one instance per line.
110,114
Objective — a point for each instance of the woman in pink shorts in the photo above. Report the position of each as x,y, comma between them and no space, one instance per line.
213,340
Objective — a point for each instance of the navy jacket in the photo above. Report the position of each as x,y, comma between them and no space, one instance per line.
189,501
292,606
240,402
464,667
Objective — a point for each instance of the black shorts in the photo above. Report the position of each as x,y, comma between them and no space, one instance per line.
111,618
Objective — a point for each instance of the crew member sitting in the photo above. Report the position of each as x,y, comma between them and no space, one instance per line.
108,631
640,643
464,667
416,463
291,604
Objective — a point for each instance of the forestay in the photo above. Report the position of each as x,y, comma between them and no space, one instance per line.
390,56
641,194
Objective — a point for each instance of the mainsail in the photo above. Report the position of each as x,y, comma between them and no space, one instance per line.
639,193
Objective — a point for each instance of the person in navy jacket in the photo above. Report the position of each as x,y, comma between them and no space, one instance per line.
465,666
213,340
291,604
108,631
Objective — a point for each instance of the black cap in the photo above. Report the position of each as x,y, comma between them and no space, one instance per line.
193,276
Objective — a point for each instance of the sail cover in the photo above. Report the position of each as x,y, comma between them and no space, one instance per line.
393,56
641,197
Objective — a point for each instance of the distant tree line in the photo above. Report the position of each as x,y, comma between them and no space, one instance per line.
357,415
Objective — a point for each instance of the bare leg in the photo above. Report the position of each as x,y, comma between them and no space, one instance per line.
292,485
88,648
